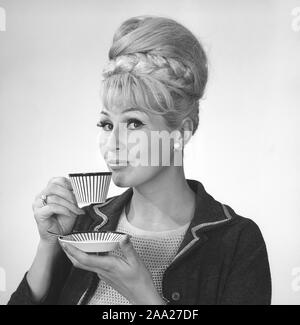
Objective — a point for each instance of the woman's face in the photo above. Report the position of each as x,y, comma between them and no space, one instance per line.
137,146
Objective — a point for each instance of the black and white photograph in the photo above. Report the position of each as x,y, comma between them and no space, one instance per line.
150,153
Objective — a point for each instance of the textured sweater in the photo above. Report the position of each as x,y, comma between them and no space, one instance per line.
157,249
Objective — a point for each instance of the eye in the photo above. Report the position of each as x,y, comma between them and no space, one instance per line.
135,123
105,125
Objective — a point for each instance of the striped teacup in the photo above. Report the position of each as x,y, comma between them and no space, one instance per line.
90,187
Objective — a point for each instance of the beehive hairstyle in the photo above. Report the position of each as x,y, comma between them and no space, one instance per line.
158,65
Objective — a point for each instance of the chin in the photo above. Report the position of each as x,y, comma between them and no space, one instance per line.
124,178
120,181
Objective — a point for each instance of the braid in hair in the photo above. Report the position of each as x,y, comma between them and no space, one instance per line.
145,56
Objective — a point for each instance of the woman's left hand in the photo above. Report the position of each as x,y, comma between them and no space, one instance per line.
128,276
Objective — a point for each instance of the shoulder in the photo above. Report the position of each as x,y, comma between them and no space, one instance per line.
242,230
241,223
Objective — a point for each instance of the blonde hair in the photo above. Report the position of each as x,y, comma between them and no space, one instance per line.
158,65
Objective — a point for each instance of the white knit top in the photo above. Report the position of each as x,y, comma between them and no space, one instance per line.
157,249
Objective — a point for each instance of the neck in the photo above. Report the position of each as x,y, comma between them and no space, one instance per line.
166,202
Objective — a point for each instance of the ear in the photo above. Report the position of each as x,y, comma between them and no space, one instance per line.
186,130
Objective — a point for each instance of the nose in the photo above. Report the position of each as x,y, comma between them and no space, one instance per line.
112,143
115,142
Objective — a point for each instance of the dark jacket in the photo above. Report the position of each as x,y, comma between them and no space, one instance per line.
222,259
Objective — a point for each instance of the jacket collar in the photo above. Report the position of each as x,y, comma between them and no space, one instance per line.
208,215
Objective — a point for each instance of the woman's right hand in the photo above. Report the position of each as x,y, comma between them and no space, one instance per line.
61,211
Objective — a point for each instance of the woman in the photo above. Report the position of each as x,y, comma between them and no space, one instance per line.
183,246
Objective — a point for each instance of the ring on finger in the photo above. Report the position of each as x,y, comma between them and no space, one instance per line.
44,199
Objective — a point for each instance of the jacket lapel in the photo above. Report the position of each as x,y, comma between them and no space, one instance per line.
106,215
208,214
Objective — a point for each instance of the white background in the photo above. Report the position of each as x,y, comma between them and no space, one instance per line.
245,152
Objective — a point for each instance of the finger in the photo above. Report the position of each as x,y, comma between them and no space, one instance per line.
55,189
62,181
71,192
128,249
72,259
70,256
54,199
51,209
37,203
77,264
67,185
105,263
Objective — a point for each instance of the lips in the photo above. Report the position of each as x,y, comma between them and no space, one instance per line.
117,164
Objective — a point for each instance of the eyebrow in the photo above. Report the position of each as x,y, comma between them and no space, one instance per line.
130,109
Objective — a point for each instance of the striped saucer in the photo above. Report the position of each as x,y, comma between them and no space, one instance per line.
94,242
